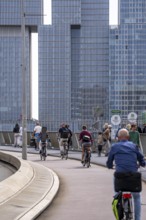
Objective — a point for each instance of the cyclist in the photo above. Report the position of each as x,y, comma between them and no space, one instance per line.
126,155
43,139
63,136
70,136
85,134
37,131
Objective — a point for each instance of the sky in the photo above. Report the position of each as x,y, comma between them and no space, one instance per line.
47,20
113,20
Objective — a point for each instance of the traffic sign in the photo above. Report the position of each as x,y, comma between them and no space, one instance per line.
132,116
115,120
116,111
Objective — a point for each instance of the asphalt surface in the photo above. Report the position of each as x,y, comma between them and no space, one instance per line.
85,193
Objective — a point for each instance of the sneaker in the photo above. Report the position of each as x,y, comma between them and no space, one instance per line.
82,161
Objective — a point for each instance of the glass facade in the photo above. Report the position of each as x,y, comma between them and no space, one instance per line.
74,63
11,56
128,60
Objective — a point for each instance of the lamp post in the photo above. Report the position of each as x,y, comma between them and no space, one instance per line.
24,106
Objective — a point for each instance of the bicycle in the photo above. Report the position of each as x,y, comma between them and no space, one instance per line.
123,206
87,155
43,151
64,151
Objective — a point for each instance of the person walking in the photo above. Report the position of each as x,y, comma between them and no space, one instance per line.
128,127
144,128
100,143
127,158
106,138
134,135
37,131
20,137
70,136
16,134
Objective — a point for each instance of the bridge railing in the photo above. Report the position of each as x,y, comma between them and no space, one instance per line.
7,138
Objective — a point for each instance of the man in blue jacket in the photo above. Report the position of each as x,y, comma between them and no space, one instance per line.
127,158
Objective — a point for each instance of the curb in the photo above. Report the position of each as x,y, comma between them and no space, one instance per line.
17,182
44,202
27,180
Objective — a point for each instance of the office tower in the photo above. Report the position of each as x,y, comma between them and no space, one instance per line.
11,56
74,64
128,60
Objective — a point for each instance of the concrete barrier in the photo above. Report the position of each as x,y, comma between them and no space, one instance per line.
21,195
7,138
2,140
16,182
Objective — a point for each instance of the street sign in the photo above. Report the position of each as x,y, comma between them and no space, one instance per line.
115,120
116,111
132,116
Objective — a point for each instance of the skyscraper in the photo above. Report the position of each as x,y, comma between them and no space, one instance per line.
74,64
128,59
11,55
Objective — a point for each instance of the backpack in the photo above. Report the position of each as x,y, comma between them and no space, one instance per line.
86,138
43,134
65,133
117,206
16,130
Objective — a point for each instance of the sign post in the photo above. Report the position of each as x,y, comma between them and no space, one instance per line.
24,109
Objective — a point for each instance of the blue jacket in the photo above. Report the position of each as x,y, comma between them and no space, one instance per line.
126,155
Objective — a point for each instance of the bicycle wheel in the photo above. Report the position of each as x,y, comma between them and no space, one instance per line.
128,208
85,159
88,163
66,154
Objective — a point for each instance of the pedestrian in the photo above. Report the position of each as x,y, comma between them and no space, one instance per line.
85,134
16,134
100,143
128,127
139,129
105,127
126,156
144,128
37,131
70,136
106,138
20,137
134,135
110,136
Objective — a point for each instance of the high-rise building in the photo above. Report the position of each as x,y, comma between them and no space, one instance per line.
11,55
74,64
128,60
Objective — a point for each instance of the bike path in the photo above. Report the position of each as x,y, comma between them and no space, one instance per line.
84,192
72,155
